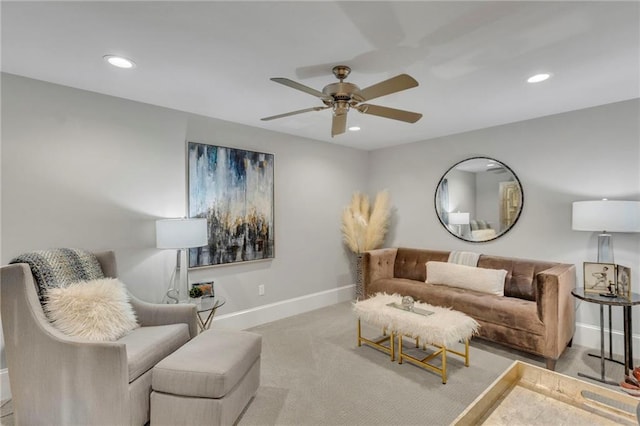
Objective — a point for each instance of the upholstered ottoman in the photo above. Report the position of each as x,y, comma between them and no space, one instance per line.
208,381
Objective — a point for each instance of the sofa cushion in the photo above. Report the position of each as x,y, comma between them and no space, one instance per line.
96,310
521,273
410,262
146,346
402,286
468,277
510,312
486,308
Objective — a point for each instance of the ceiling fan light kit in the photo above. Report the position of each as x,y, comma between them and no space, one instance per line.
342,96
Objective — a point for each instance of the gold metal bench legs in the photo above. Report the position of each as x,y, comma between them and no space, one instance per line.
424,362
378,343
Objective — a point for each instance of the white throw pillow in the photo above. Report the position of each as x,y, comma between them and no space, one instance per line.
96,310
479,279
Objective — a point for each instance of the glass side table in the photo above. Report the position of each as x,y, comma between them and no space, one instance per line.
210,305
626,304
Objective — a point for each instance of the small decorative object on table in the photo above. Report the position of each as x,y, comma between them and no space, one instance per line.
607,280
407,303
623,282
195,293
600,278
207,288
631,383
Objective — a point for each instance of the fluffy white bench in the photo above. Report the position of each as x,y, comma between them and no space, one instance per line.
441,327
208,381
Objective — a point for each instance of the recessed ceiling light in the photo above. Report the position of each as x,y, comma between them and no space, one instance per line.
119,61
354,128
538,78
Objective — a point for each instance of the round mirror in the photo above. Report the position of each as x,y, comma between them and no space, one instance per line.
479,199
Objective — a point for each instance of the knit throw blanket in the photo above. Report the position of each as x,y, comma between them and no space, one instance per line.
444,327
60,267
467,258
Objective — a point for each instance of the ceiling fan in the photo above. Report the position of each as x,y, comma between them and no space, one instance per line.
343,96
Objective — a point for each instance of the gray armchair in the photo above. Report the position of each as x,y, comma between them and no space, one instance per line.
61,380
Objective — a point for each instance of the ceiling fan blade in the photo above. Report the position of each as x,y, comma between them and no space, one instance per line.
394,84
300,111
338,124
298,86
386,112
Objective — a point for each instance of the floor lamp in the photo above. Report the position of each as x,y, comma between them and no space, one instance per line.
180,234
606,216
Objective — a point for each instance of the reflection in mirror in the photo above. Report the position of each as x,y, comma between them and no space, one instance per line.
478,199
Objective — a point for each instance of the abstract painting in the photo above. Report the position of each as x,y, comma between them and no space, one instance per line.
232,189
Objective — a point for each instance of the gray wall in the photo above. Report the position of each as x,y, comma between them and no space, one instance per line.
85,170
582,155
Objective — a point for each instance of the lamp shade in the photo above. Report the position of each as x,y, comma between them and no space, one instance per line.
606,215
458,218
181,233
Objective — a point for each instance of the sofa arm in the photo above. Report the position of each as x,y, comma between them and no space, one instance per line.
151,314
377,264
556,305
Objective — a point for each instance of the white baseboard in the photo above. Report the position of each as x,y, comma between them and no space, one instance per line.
5,389
267,313
588,335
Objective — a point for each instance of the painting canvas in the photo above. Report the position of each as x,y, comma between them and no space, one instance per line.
233,190
599,277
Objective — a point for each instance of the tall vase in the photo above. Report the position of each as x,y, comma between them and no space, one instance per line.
359,276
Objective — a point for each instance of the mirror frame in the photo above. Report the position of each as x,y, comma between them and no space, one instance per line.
460,237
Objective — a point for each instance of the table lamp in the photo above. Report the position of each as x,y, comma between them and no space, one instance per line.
180,234
606,216
458,219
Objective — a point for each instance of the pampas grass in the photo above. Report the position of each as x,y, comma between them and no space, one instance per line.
364,228
378,222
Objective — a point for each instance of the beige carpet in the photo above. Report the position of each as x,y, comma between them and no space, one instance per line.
313,373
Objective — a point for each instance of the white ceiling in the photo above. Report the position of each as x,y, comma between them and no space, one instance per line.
215,58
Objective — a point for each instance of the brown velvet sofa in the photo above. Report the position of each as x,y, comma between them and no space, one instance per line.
535,315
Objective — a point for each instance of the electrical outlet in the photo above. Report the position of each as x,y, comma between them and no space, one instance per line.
261,290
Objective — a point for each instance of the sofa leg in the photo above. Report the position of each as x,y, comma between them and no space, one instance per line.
551,364
570,343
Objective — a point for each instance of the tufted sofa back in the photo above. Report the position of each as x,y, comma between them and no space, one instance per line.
410,263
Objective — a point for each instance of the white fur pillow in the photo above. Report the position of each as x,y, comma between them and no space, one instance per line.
96,310
479,279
